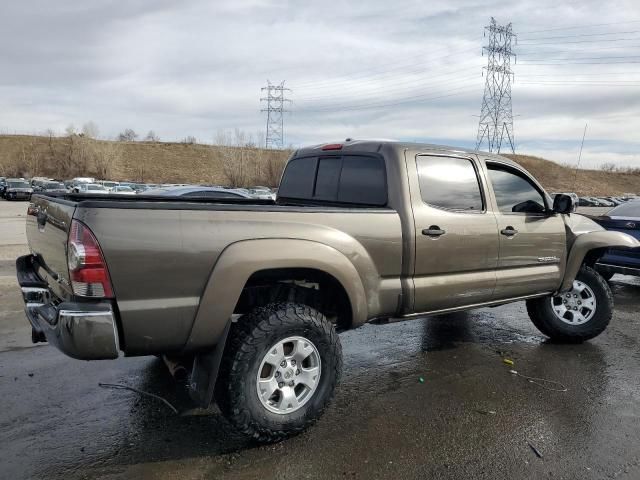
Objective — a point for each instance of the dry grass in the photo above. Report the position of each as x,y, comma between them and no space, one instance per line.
155,162
558,178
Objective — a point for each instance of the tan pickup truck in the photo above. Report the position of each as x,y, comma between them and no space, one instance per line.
255,291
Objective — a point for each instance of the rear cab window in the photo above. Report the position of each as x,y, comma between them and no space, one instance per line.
358,180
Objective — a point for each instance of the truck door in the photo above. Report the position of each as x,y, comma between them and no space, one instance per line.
532,240
456,235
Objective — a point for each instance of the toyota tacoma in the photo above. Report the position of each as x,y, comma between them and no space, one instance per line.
255,292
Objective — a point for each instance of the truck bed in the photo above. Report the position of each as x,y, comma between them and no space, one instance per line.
160,252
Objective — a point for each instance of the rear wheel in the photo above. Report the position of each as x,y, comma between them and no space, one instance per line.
279,372
577,315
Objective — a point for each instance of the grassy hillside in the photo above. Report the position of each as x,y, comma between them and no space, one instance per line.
66,157
558,178
152,162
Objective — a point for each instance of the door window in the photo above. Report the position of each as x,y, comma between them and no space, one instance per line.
450,183
514,192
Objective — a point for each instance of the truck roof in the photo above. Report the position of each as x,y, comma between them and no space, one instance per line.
374,145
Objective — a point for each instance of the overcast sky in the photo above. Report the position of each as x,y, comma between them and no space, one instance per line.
407,70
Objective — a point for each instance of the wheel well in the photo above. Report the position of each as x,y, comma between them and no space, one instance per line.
311,287
592,256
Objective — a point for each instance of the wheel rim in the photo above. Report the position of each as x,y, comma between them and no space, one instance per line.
576,306
288,375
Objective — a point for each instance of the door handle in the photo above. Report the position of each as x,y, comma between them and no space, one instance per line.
433,231
509,231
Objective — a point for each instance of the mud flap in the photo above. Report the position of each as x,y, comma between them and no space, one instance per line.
205,371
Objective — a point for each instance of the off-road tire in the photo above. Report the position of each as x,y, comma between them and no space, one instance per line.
249,340
543,317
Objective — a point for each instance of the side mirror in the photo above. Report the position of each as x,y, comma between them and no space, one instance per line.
563,204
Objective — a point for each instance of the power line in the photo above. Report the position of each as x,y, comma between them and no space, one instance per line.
412,99
598,74
364,74
608,57
578,63
582,26
584,35
407,85
584,41
594,84
496,117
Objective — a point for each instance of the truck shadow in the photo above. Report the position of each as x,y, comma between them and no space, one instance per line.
162,435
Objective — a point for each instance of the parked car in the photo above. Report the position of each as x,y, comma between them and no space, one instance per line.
109,185
197,191
123,190
587,202
3,186
140,187
92,188
263,193
624,218
38,182
51,186
604,202
255,292
17,189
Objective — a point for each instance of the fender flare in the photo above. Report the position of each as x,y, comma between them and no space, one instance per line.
242,259
586,242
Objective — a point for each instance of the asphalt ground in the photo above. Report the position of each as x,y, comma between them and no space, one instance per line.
428,398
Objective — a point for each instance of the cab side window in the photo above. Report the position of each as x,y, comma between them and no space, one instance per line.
514,192
450,183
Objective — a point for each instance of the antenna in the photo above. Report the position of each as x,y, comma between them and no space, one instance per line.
575,177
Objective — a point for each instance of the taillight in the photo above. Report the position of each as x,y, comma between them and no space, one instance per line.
332,146
87,268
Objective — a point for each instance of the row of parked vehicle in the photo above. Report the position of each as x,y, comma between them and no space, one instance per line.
604,201
22,189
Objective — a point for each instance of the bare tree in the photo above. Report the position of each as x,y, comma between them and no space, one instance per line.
151,137
70,130
608,167
129,135
273,168
232,157
105,157
190,140
90,129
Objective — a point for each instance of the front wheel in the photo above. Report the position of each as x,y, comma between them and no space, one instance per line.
279,370
577,315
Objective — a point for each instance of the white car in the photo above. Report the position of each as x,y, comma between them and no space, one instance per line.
123,190
92,188
109,185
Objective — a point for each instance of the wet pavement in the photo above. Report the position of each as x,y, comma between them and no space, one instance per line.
468,419
56,421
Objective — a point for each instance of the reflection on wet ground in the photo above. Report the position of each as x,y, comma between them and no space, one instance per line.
384,423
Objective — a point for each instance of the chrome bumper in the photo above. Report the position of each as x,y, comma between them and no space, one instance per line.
82,330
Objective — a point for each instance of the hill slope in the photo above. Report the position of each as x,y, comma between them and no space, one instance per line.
558,178
66,157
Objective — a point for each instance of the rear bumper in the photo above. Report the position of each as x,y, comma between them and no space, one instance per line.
82,330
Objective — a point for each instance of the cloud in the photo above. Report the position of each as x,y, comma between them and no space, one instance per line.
410,70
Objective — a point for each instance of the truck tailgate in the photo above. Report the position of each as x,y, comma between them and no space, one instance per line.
48,224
